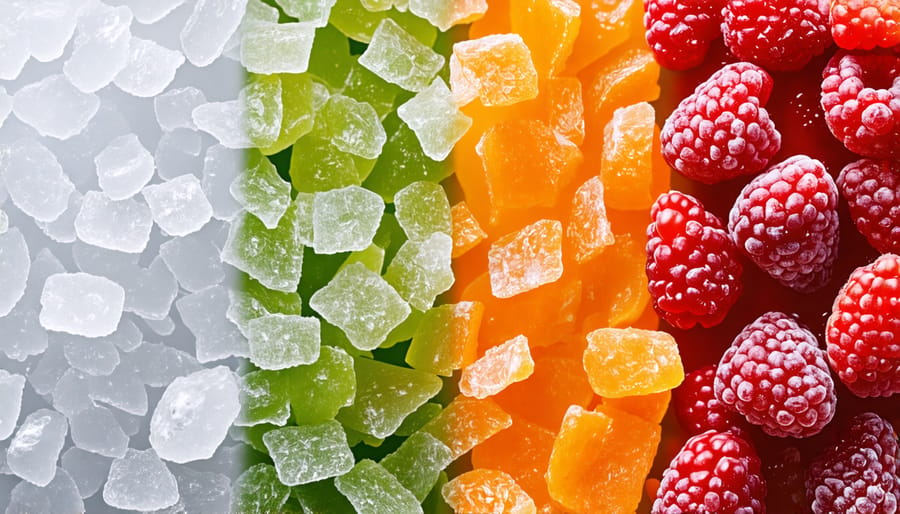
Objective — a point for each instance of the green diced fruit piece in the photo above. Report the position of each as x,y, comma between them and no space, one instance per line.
314,12
422,209
435,118
403,162
357,22
333,336
385,395
273,257
362,304
309,453
252,300
345,220
330,59
372,258
258,491
365,86
399,58
467,422
263,400
418,419
374,490
279,341
261,99
319,390
418,462
356,437
322,498
434,503
299,97
277,47
421,270
444,15
261,191
303,205
352,126
404,331
447,338
259,11
376,5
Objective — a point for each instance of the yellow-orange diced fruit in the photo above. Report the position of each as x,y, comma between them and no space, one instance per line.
628,362
466,422
615,283
496,69
627,165
565,107
466,231
494,21
526,259
604,25
500,366
600,460
487,491
446,338
549,28
589,230
651,407
444,15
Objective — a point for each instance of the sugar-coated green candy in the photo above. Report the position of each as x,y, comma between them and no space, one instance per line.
279,341
313,12
259,11
436,119
258,491
365,86
441,342
443,14
322,498
421,270
262,100
252,435
318,165
277,47
263,400
252,300
345,220
374,490
376,5
422,208
418,418
303,204
300,97
404,331
356,437
434,503
330,59
418,462
359,23
333,336
261,191
398,57
319,390
352,126
371,257
403,162
386,394
309,453
362,304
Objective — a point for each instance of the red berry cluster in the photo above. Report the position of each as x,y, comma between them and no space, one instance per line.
804,401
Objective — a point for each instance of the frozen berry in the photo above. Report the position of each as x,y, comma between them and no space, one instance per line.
680,31
692,265
785,220
776,34
714,472
697,407
865,24
722,130
776,376
872,189
861,99
859,474
862,335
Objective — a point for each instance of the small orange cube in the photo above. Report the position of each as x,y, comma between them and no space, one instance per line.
526,259
500,366
466,231
487,491
496,69
627,165
629,362
549,28
651,407
466,422
589,230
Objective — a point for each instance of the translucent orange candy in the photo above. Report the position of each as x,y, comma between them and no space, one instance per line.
615,284
526,259
589,230
627,165
629,362
466,422
549,28
466,231
604,25
651,407
500,366
487,491
496,69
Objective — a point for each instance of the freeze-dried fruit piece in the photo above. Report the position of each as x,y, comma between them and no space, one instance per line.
422,209
466,231
319,390
865,24
680,33
872,190
589,230
435,118
628,361
417,463
279,341
399,58
345,220
549,28
487,490
627,165
446,338
496,69
420,270
372,489
499,367
309,453
466,422
527,259
604,25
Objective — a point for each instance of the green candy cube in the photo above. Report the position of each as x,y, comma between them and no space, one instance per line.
322,498
357,22
252,300
399,58
261,98
258,491
263,400
403,162
279,341
319,390
365,86
277,47
352,126
421,270
300,97
345,220
313,12
435,118
418,462
447,338
374,490
318,165
418,419
309,453
261,191
422,208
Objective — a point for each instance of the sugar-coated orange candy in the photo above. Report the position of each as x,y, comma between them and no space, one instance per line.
651,407
446,338
494,21
466,422
487,491
604,25
589,231
466,231
600,460
527,259
496,69
499,367
627,165
564,107
629,362
615,284
549,28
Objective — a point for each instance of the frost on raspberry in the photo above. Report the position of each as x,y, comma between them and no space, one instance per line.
693,271
722,130
680,31
776,376
697,407
865,24
861,100
872,190
862,335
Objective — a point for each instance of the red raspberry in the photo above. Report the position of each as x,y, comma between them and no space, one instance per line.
872,188
680,31
721,130
697,407
862,335
692,265
861,99
776,376
786,221
859,474
713,473
776,34
865,24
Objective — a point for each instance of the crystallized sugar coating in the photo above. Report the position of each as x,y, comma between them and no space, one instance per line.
872,190
526,259
81,304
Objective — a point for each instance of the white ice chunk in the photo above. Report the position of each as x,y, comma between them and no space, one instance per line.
94,356
122,389
35,180
221,166
163,327
96,430
151,68
225,121
179,206
5,105
194,259
11,387
151,11
140,481
158,365
60,496
54,107
277,47
124,167
178,152
71,394
101,47
34,450
62,229
15,263
87,469
203,313
50,24
81,304
151,291
122,225
24,335
45,374
174,107
208,29
14,47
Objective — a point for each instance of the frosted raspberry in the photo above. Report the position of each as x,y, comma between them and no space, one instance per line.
776,376
872,189
861,99
785,220
859,474
714,472
722,130
862,335
692,267
697,407
680,31
865,24
776,34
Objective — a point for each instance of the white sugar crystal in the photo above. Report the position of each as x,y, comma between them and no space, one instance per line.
435,119
225,121
94,356
54,107
14,47
15,263
422,208
262,191
127,337
179,206
130,423
194,414
314,12
140,481
151,291
11,387
34,450
87,469
71,394
51,366
345,220
96,430
221,166
28,337
122,225
35,180
151,11
158,365
173,108
150,69
122,389
398,57
81,304
194,259
177,152
60,496
279,341
51,24
208,29
101,47
124,167
203,313
62,229
277,47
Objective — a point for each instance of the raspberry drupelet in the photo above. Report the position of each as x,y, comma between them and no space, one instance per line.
872,190
680,31
865,24
697,407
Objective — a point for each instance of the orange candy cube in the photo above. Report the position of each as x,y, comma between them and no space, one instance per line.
651,407
526,259
605,24
589,231
500,366
549,28
628,362
465,231
496,69
487,491
466,422
446,338
627,165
